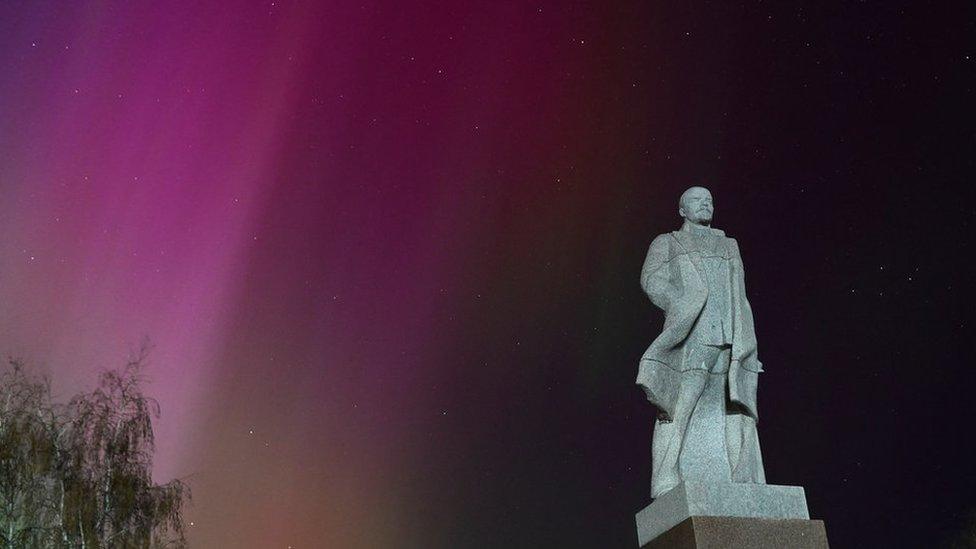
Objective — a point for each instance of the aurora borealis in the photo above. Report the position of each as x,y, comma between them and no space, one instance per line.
387,253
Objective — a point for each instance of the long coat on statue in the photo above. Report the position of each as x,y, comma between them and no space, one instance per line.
674,278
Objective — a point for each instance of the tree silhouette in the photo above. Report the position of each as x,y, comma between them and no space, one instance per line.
79,475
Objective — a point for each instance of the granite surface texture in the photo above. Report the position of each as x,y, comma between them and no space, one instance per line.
691,499
702,370
742,533
702,373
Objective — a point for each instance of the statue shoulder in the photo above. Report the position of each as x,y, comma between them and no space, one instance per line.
733,245
660,249
663,239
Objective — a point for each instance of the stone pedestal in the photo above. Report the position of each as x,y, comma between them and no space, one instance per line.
742,533
693,499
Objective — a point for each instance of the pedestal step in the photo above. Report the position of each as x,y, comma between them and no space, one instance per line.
742,533
695,499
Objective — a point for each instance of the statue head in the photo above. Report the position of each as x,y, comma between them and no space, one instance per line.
695,205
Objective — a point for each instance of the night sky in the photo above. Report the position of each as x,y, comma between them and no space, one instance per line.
388,252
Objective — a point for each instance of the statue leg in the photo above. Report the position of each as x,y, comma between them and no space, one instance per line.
742,440
669,436
664,458
704,455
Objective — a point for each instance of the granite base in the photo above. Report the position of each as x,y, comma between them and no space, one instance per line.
742,533
692,499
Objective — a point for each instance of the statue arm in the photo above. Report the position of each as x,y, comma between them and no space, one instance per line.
747,335
655,276
737,258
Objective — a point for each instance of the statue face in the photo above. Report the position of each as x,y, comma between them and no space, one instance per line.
696,206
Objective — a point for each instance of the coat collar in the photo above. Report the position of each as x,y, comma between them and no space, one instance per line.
689,238
693,229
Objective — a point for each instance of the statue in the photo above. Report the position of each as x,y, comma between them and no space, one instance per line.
707,478
702,371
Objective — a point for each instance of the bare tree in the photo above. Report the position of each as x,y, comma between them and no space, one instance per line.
26,460
79,475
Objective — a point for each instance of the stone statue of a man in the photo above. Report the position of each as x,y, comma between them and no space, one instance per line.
702,371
